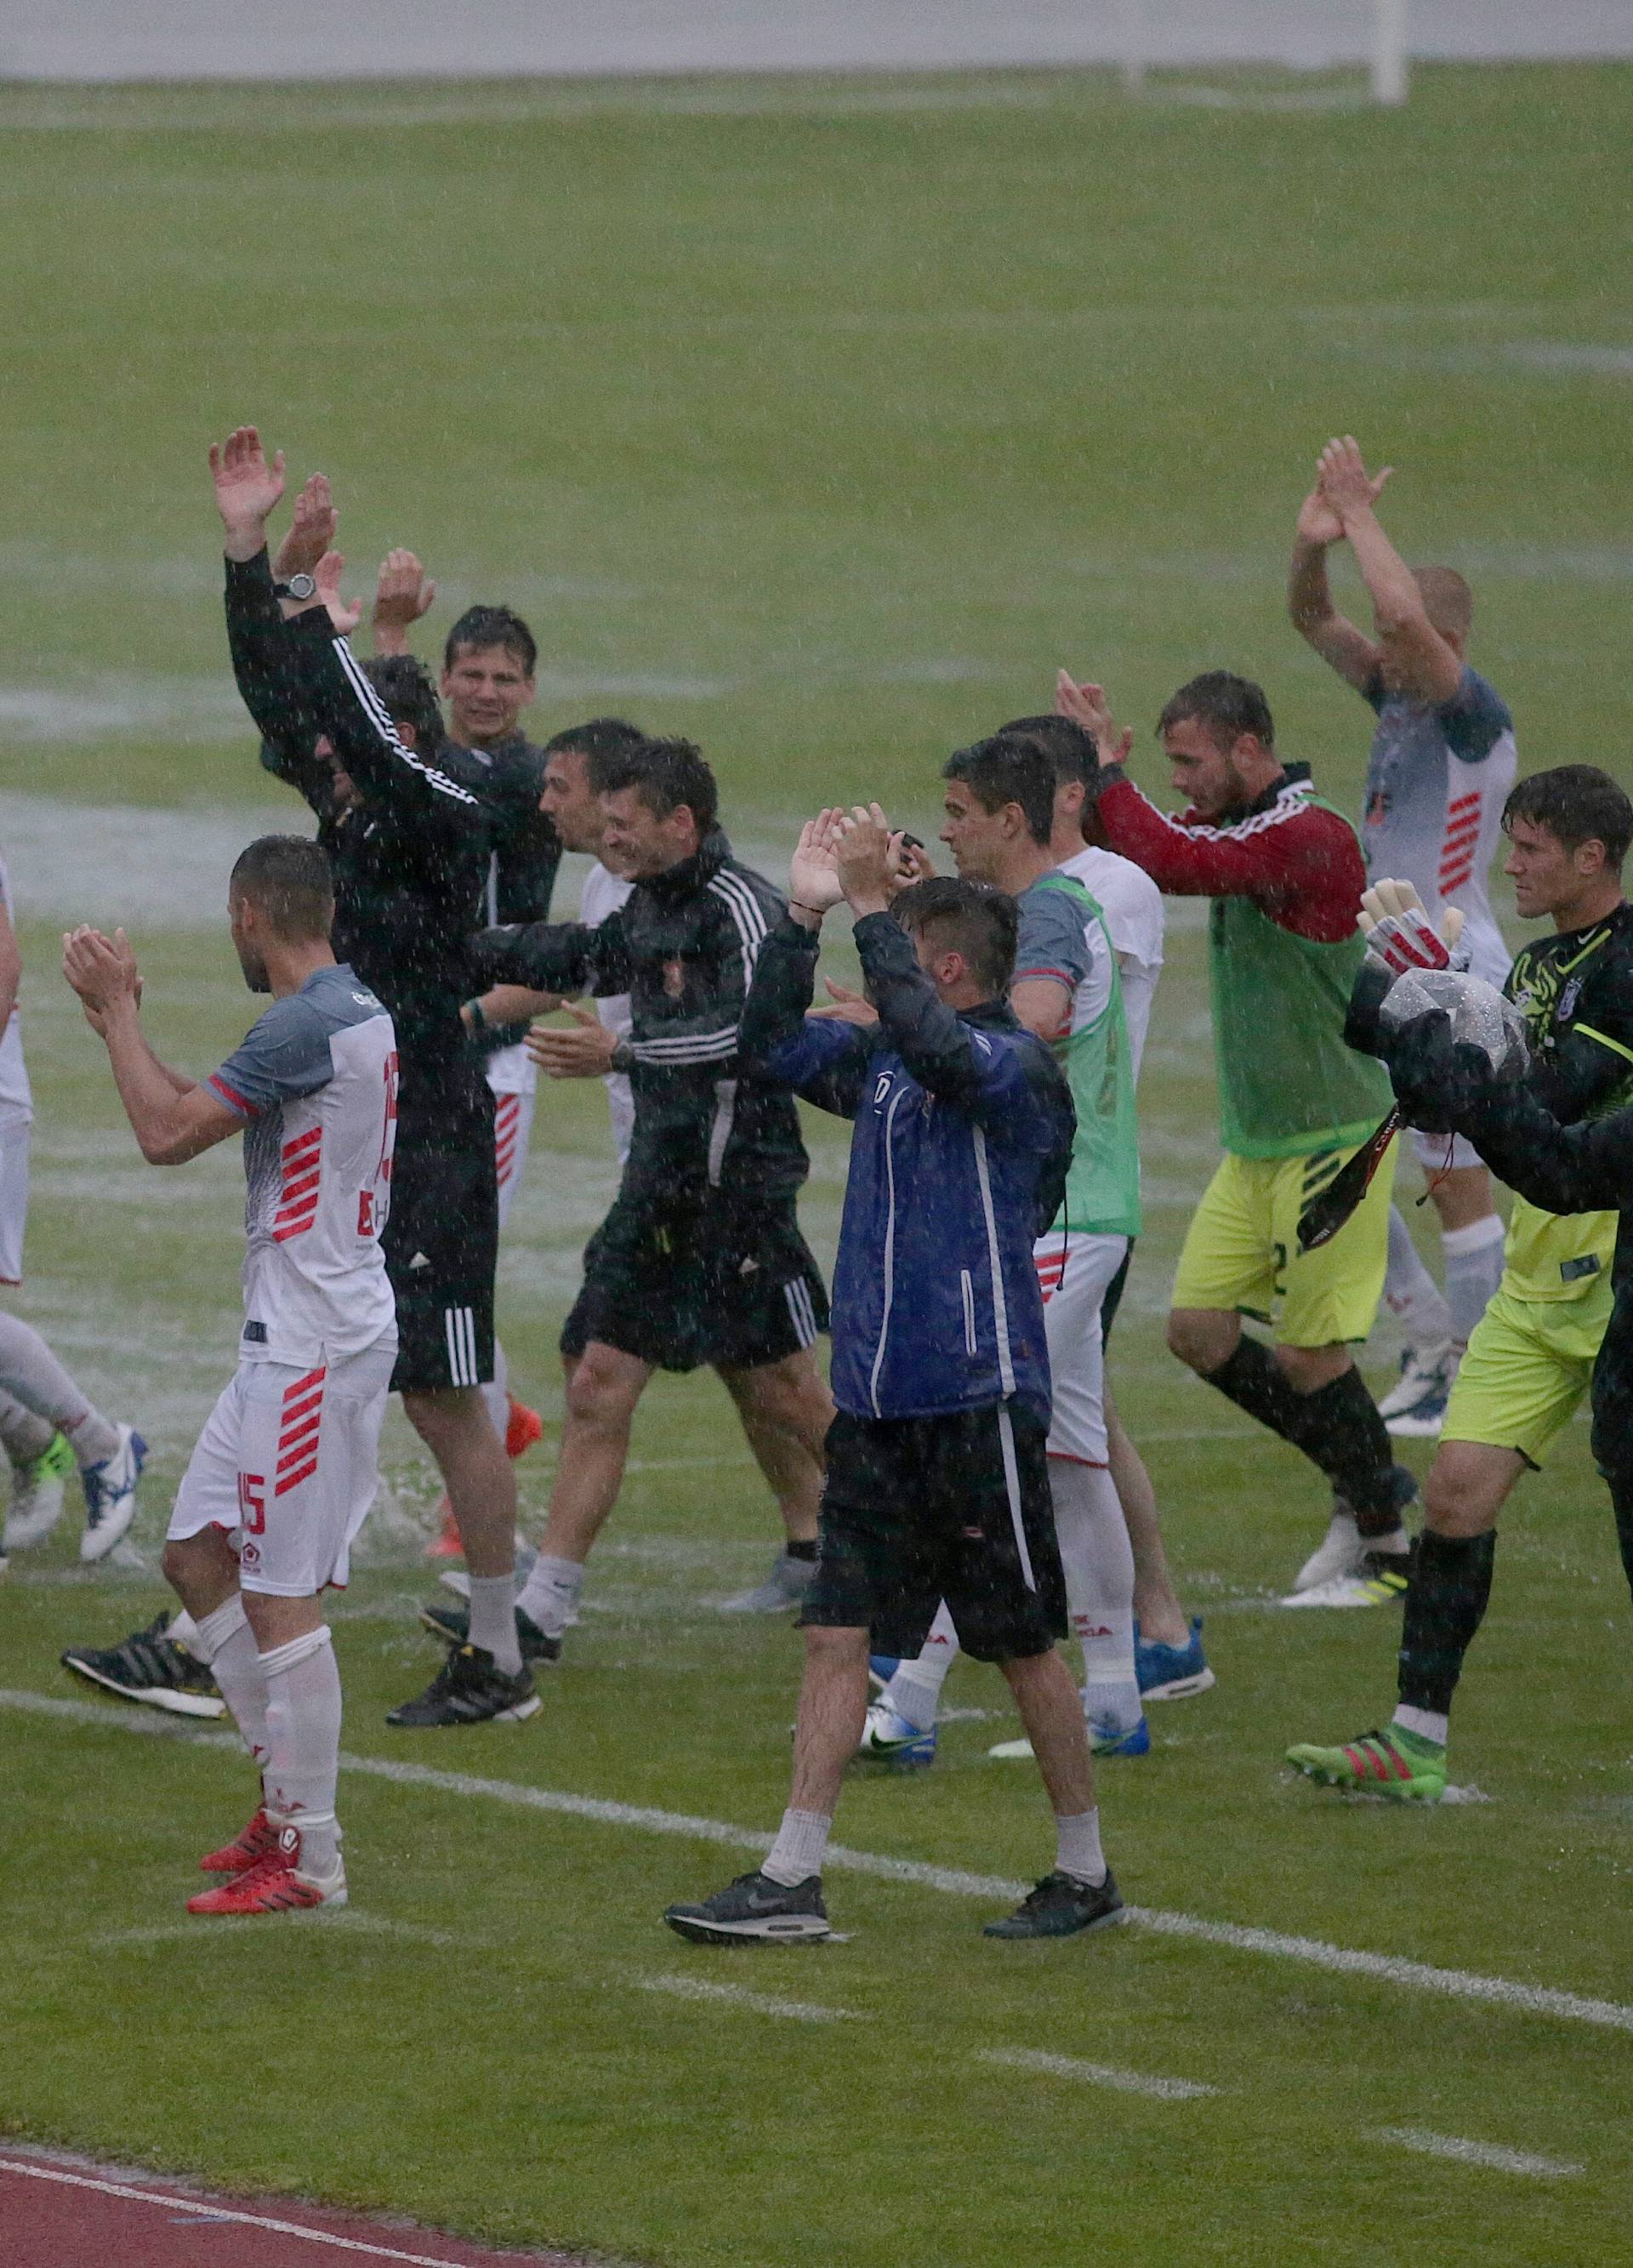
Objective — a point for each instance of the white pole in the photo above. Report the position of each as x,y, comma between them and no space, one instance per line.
1131,17
1389,56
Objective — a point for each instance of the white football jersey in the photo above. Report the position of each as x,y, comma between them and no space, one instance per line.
316,1080
1132,905
603,893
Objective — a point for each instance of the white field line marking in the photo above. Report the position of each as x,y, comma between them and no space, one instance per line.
739,1996
349,1922
952,1882
177,2201
1095,2074
1475,2154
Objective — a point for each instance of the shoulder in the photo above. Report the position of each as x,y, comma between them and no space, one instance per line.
1128,897
746,905
1056,930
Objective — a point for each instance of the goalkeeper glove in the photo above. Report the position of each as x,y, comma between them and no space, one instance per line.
1399,932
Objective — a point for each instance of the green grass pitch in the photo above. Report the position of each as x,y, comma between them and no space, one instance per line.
820,423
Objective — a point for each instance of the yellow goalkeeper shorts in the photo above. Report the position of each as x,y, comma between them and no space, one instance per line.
1241,1249
1529,1363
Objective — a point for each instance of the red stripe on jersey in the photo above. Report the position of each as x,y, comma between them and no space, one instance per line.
297,1143
296,1455
283,1487
230,1095
293,1190
295,1429
296,1410
1463,802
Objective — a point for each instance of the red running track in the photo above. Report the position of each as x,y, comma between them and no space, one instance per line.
63,2212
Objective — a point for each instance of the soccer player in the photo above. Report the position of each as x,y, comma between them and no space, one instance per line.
47,1426
1067,990
701,1260
286,1468
1443,758
1285,874
410,849
938,1483
1533,1351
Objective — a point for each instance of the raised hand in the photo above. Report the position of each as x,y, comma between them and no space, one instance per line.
102,971
311,532
402,592
867,858
585,1052
812,872
848,1007
246,486
1318,521
1398,931
344,612
1087,705
1342,481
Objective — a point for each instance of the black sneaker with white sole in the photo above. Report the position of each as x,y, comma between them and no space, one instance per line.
470,1688
755,1909
1061,1906
151,1667
453,1627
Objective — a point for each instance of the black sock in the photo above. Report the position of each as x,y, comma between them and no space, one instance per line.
1446,1604
1337,1427
807,1549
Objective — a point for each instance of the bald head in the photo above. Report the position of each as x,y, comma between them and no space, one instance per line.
1447,600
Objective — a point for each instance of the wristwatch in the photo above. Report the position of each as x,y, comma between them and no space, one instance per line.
299,586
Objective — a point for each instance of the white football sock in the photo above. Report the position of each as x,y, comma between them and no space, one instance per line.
1473,1268
31,1373
1077,1845
1428,1724
303,1738
493,1620
224,1641
497,1393
914,1691
550,1593
183,1631
23,1434
1098,1560
796,1854
1411,1293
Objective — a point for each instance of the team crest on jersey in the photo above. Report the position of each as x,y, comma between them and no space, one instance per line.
674,978
1568,1000
886,1080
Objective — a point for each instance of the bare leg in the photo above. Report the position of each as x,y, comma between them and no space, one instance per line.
452,1422
832,1703
203,1571
786,1410
1157,1607
1046,1695
603,1387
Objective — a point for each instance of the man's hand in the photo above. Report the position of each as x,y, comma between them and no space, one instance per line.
868,860
848,1007
1398,929
311,532
585,1052
813,884
344,612
1343,483
403,593
246,489
103,971
1087,705
1317,520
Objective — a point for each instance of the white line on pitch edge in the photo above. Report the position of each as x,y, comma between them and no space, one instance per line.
207,2209
739,1996
1475,2154
1095,2074
1315,1952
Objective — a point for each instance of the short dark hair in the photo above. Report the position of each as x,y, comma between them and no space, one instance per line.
974,919
1063,741
409,697
485,626
666,774
1224,704
603,743
1578,803
289,879
1008,769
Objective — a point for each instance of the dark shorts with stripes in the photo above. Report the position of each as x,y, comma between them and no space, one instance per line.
690,1290
915,1510
442,1243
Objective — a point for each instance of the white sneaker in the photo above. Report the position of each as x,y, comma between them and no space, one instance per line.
1415,1408
459,1583
111,1494
37,1496
1338,1554
1379,1578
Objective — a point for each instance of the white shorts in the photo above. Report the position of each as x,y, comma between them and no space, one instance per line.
512,1133
14,1127
1073,1273
1435,1157
287,1465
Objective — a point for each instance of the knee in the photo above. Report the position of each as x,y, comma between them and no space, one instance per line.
1308,1369
176,1564
1452,1507
1202,1337
597,1395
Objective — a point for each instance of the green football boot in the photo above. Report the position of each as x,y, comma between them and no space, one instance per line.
1401,1765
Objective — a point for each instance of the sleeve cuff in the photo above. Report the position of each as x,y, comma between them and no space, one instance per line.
230,1096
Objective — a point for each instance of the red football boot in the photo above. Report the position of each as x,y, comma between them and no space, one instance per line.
523,1427
274,1884
446,1543
252,1843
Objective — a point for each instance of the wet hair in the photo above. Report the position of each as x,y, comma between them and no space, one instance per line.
666,774
1008,769
480,627
1067,746
288,877
1448,602
973,918
409,697
1578,803
603,743
1225,705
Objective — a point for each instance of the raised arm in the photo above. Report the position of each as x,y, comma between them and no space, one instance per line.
172,1118
1420,661
402,592
1356,657
824,1060
565,958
